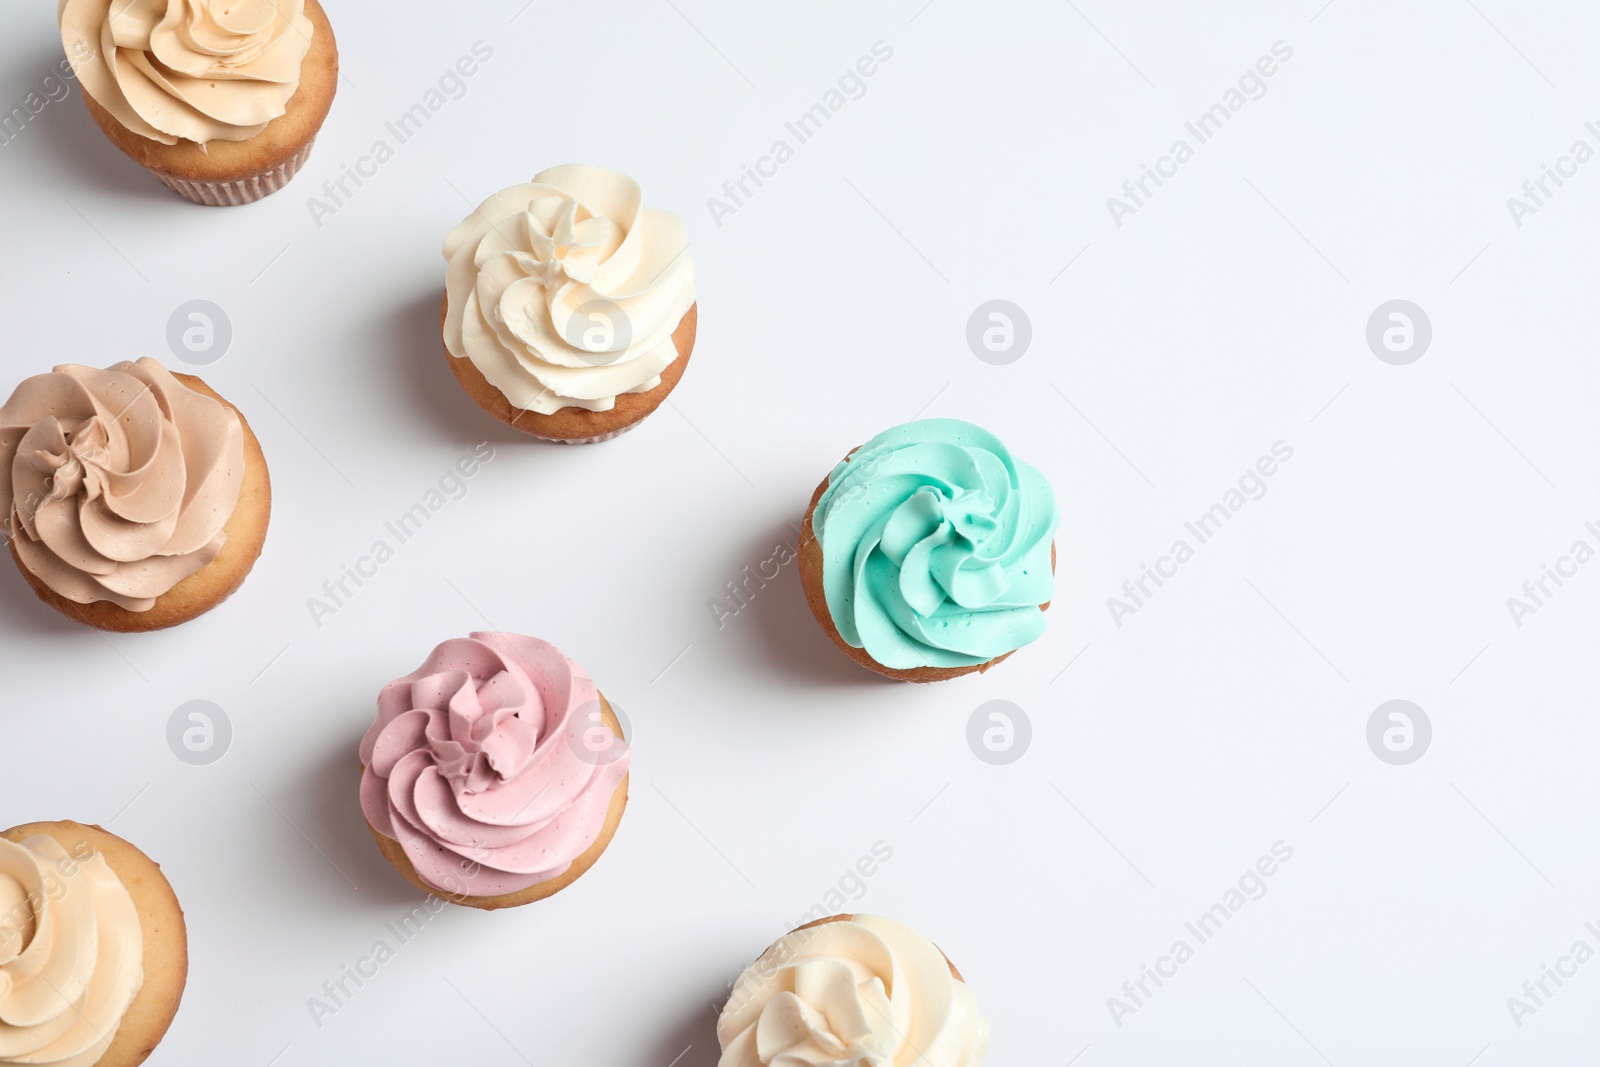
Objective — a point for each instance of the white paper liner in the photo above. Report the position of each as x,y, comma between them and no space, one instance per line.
245,190
586,440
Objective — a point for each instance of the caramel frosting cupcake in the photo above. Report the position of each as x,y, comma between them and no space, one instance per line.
852,989
93,949
496,773
219,99
928,554
569,307
134,499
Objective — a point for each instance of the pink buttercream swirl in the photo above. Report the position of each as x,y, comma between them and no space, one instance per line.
483,764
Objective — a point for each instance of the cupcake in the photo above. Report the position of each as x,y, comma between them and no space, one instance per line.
496,773
928,554
220,100
852,989
93,950
134,498
569,306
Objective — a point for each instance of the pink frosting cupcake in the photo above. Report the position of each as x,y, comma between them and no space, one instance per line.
496,773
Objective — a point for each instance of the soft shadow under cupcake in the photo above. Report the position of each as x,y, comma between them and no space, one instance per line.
21,611
331,783
694,1041
71,143
784,636
409,336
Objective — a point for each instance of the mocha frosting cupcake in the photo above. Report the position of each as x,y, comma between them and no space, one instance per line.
928,554
496,773
134,499
93,949
569,308
852,989
219,99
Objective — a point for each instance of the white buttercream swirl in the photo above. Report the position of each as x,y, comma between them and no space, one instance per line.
71,954
565,292
192,70
862,992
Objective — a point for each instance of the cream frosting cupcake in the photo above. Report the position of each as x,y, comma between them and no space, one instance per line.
569,308
496,773
857,990
134,498
928,553
93,950
219,99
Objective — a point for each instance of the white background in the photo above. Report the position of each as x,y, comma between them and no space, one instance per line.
1168,754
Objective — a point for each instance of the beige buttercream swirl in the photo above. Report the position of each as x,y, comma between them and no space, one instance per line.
71,954
192,70
861,992
116,484
565,291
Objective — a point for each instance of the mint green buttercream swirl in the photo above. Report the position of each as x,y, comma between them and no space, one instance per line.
936,546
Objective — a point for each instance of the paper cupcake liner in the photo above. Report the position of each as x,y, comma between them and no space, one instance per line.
245,190
586,440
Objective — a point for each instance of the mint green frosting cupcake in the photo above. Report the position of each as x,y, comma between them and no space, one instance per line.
936,547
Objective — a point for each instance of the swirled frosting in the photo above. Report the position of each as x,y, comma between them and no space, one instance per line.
936,546
116,484
192,70
71,954
483,764
565,292
862,992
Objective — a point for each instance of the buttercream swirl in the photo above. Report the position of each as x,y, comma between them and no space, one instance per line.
71,954
861,992
192,70
936,546
565,292
480,764
116,484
